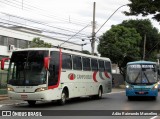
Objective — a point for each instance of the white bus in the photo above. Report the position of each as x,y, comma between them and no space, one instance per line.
39,74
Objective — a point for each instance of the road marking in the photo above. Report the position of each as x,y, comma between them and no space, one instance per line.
154,117
116,92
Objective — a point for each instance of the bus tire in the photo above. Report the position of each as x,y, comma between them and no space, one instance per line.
31,102
62,101
99,96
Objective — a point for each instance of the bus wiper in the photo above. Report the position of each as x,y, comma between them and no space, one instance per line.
146,77
137,77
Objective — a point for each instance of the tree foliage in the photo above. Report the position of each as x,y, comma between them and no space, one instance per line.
145,28
145,7
36,42
120,44
86,52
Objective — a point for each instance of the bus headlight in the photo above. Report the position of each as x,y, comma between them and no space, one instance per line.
10,89
128,87
155,87
40,89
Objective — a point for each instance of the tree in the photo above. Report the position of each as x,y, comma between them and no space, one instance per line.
144,7
36,42
86,52
145,28
120,44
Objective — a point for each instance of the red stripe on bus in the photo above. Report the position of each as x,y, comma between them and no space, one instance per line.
59,75
94,76
106,74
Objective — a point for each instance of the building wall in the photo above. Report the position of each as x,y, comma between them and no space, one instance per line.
21,39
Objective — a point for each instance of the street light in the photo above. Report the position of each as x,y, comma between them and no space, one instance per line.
110,17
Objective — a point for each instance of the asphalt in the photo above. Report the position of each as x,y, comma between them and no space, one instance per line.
5,97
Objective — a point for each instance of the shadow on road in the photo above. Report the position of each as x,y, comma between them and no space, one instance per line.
142,99
44,104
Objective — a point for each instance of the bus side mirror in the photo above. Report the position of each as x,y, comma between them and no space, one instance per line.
3,62
46,62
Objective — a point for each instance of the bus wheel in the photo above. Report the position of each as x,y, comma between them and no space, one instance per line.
62,101
31,102
99,95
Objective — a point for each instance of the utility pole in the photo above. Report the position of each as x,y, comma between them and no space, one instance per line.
93,30
22,4
144,47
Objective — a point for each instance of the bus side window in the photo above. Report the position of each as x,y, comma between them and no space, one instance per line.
101,65
94,65
86,64
107,66
77,63
66,61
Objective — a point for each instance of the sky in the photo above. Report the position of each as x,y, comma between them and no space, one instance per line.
65,18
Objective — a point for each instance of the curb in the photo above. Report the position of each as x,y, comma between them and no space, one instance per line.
3,97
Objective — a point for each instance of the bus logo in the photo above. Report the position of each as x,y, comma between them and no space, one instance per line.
71,76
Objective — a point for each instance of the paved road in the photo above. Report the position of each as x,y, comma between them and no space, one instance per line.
114,101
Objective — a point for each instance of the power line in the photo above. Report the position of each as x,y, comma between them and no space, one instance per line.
41,23
81,21
28,8
74,35
47,31
152,48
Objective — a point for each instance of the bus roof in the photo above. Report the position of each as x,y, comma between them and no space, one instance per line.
141,62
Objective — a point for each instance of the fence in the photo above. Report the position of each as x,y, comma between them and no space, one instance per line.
118,80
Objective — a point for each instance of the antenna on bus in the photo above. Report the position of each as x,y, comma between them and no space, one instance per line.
73,35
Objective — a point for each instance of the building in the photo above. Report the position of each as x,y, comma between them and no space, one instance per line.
18,37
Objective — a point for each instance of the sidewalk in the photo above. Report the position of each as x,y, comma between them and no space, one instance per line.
117,89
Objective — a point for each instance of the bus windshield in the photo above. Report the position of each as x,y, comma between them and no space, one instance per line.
27,68
142,74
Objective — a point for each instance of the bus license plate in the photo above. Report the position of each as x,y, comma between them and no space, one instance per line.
141,92
24,96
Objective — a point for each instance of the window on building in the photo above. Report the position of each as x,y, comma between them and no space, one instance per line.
12,41
23,44
66,61
94,64
3,40
77,63
86,64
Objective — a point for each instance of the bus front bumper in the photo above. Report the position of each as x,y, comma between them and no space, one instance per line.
141,93
37,96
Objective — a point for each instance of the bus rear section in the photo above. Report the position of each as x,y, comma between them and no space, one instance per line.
142,79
